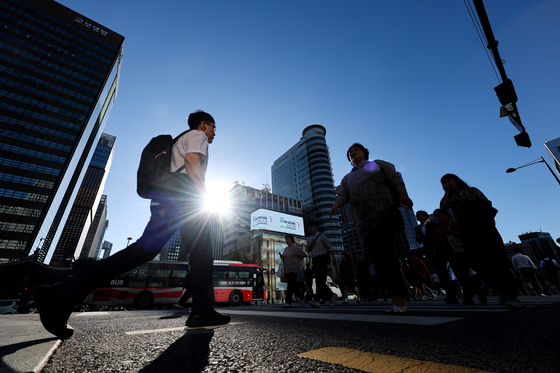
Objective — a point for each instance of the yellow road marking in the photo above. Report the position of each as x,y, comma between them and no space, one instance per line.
377,363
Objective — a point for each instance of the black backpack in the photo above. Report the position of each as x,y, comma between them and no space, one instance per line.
154,171
550,267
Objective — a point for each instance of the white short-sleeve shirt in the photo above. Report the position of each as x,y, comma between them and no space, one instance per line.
192,142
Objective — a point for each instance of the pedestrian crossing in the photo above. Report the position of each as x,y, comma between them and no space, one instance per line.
427,313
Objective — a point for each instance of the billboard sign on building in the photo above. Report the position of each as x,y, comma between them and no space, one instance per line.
277,222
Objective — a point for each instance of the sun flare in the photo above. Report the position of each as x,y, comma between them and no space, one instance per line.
217,199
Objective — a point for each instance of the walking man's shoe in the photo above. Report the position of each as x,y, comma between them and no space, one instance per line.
514,303
55,308
207,318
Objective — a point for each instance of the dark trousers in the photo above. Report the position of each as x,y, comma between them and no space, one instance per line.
529,276
187,293
379,242
460,266
322,290
167,216
293,287
440,267
484,249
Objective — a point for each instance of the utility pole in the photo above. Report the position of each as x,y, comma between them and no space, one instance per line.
505,91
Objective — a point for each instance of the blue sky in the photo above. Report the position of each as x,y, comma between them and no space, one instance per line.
409,79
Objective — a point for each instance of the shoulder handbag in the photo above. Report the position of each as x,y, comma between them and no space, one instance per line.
281,272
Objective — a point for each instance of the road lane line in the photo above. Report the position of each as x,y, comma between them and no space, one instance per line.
155,331
424,309
377,363
391,319
150,331
100,313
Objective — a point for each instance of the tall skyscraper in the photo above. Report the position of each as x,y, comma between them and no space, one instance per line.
99,233
84,212
106,247
59,74
304,173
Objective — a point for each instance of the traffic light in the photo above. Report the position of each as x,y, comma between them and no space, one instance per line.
523,139
506,93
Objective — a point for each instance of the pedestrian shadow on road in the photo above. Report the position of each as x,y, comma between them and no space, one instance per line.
188,354
176,315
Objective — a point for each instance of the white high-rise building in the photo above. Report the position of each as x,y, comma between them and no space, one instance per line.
304,173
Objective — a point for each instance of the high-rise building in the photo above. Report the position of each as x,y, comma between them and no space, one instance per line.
88,209
98,236
96,231
542,244
106,247
174,250
304,173
59,74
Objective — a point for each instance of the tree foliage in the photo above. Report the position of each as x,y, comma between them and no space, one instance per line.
239,256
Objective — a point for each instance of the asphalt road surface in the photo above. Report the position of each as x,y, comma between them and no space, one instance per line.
270,338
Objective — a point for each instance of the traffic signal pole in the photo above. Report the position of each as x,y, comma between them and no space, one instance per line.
505,91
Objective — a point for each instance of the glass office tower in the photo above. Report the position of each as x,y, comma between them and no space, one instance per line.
59,74
82,215
304,173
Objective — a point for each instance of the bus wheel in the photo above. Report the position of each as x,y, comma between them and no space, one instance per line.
236,298
144,301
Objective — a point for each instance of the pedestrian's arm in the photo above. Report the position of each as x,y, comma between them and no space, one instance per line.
389,170
194,170
404,198
334,209
341,198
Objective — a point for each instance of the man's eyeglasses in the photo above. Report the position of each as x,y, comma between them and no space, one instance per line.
212,125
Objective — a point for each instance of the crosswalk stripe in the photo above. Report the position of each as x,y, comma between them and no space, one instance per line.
391,319
151,331
437,309
83,314
371,362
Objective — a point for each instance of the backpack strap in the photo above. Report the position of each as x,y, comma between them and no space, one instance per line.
173,143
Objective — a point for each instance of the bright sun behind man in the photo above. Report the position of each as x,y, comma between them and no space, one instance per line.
217,199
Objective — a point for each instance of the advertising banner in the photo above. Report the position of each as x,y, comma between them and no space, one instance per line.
277,222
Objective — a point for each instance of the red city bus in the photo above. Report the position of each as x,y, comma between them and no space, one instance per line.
161,283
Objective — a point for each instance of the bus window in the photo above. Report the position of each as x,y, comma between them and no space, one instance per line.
179,273
155,283
232,274
244,274
161,273
219,273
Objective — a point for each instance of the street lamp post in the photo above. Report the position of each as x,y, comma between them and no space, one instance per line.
541,160
128,241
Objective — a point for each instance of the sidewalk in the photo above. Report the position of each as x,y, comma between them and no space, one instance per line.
25,346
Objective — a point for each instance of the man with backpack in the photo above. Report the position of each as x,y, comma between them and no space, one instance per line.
176,192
